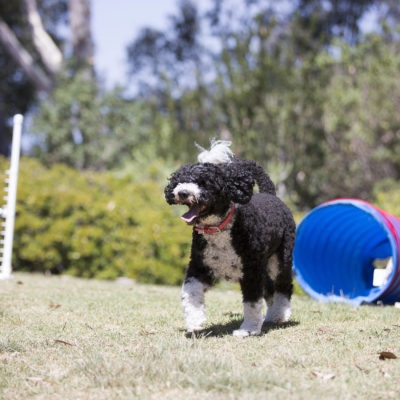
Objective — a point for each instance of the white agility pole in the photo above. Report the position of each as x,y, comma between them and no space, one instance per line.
7,213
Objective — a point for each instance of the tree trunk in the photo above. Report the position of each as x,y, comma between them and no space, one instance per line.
81,36
36,74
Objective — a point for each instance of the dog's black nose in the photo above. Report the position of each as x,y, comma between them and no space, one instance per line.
183,194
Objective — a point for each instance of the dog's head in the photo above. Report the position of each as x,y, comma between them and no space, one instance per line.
209,189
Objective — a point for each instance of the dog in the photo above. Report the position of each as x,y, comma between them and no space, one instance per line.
237,236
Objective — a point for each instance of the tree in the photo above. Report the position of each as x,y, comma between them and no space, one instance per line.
270,83
81,37
167,53
85,128
29,39
333,17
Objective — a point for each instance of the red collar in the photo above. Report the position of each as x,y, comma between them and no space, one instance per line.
216,229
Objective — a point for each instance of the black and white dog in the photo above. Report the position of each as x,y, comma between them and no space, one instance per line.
237,236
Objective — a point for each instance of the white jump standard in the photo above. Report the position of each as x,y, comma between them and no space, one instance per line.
7,212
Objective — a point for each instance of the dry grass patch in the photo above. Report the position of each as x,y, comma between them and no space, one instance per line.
66,338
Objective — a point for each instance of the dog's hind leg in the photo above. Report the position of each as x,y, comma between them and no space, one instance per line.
279,309
269,287
193,304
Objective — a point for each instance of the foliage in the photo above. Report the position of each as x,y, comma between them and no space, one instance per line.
88,128
99,225
334,18
318,112
304,92
167,49
388,197
361,120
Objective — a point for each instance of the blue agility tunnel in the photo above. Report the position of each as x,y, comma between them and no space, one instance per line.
348,250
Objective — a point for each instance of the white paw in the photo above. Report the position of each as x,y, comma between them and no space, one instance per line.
276,320
279,310
252,321
278,316
195,321
244,333
191,329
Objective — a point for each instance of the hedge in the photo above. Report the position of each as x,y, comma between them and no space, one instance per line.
96,225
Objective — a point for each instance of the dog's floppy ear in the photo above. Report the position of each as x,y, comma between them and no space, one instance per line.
239,182
173,181
168,191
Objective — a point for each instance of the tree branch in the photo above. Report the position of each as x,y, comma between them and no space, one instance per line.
36,75
50,54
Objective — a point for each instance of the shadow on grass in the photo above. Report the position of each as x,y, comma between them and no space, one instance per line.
220,330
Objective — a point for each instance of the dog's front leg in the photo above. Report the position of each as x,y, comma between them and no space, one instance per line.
253,319
253,302
193,304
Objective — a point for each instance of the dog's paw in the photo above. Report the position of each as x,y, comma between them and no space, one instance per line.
196,322
193,329
279,311
278,318
194,332
244,333
195,325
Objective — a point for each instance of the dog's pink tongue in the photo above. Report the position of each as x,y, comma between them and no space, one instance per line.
189,216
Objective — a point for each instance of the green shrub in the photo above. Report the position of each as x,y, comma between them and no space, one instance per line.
387,194
100,225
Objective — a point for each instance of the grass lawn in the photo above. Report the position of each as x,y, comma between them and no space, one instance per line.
67,338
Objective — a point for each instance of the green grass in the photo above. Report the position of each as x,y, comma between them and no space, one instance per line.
66,338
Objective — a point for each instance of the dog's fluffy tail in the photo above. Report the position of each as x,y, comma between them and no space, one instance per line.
262,179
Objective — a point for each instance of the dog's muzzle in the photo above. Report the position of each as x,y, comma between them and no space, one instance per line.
188,194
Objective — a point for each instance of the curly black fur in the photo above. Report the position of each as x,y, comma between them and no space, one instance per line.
262,227
263,180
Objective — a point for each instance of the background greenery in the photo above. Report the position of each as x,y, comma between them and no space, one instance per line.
108,224
101,225
306,93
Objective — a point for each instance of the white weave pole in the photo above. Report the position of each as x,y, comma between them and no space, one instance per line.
7,213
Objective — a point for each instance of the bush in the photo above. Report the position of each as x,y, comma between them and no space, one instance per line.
387,194
96,225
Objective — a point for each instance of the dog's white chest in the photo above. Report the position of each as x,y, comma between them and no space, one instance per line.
221,257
